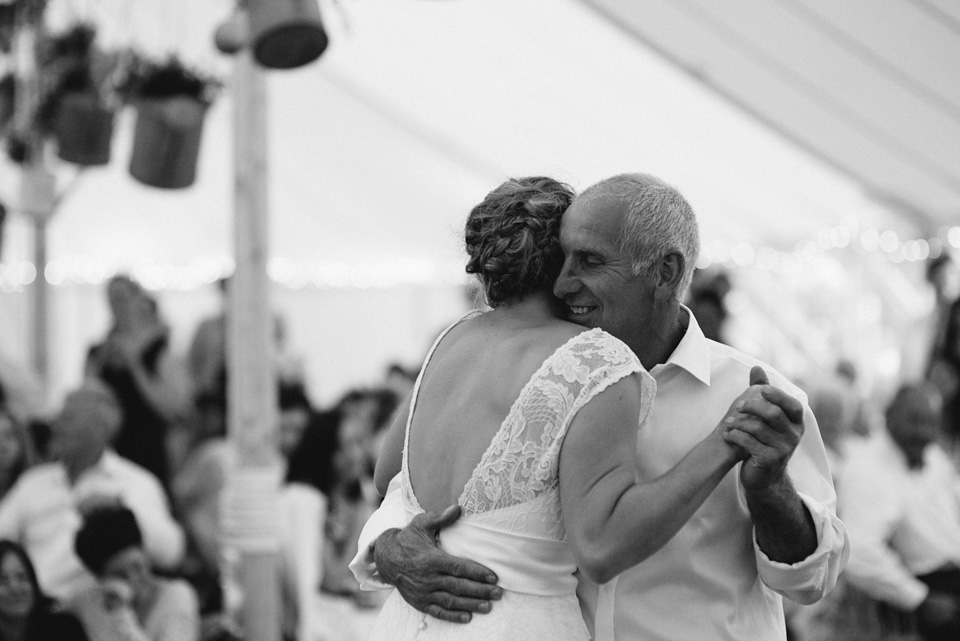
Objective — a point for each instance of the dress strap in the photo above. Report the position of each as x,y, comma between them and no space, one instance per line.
407,486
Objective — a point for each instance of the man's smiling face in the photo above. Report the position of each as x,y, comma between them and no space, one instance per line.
597,282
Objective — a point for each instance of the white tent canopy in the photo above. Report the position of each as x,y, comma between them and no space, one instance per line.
418,108
378,150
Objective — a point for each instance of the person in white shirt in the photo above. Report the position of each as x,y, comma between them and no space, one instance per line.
769,529
44,509
900,499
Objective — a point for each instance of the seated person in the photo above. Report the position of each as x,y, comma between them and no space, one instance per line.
43,509
26,614
899,497
130,603
14,449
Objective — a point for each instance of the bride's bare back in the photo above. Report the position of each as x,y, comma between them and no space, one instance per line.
475,375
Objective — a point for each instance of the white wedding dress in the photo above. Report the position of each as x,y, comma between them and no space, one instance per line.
511,519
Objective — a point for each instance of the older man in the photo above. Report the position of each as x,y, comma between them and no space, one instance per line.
630,246
43,510
900,498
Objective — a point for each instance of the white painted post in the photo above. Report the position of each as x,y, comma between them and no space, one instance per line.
251,498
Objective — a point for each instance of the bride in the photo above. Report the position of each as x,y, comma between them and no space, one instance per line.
529,423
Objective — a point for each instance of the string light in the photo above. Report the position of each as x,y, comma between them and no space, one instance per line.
812,250
86,270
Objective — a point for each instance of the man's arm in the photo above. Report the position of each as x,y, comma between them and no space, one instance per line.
395,550
800,545
429,579
784,527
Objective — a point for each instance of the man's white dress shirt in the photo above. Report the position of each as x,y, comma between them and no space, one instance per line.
903,523
40,512
711,580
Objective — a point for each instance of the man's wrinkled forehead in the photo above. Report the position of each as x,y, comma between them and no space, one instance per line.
589,215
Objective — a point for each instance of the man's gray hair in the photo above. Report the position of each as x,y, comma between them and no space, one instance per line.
660,221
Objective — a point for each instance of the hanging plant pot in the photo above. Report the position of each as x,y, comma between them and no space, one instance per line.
84,129
286,33
166,142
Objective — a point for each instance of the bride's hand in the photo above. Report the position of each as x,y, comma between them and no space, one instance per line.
734,419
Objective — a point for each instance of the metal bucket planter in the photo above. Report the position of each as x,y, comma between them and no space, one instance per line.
286,33
166,142
84,130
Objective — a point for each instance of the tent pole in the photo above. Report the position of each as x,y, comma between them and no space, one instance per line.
36,186
41,317
253,486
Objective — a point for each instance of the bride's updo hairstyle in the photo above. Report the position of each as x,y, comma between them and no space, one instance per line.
513,237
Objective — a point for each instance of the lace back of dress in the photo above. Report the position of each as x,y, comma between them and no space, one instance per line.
516,485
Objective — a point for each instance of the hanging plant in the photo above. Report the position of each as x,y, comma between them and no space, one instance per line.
76,103
171,102
80,103
14,15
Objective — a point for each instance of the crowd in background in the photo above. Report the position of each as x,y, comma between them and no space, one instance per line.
110,510
110,519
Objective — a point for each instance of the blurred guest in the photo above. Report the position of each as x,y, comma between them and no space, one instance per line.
129,603
354,431
863,419
400,380
21,390
26,614
705,299
943,369
43,509
197,486
133,361
302,515
899,497
353,498
207,355
833,407
14,450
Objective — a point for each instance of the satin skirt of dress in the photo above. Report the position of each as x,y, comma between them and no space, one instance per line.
516,617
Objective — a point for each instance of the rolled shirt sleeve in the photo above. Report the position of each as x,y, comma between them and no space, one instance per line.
390,514
807,581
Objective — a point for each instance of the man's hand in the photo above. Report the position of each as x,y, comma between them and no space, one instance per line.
429,579
769,435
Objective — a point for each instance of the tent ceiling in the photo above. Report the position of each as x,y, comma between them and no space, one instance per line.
872,87
378,150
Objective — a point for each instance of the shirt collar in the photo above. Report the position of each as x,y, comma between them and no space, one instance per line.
693,351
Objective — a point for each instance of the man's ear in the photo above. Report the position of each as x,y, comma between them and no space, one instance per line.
669,276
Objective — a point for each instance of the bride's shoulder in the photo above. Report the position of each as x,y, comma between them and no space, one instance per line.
603,345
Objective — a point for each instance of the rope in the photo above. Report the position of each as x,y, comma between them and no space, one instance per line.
250,509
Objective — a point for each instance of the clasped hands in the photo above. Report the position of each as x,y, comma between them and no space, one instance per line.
764,425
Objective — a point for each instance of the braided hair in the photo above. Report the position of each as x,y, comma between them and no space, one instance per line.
513,237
